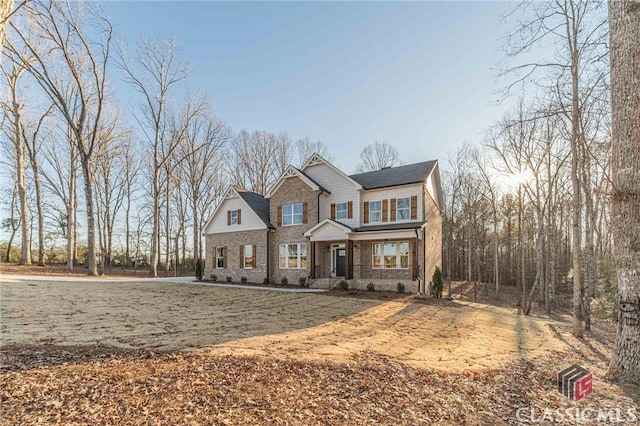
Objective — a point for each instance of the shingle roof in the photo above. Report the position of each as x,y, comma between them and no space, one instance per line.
394,176
258,204
390,226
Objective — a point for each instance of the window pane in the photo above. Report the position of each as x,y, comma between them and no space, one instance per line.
287,210
404,247
283,256
389,249
298,208
390,261
286,220
375,211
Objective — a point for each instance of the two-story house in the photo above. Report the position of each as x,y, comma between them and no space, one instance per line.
317,223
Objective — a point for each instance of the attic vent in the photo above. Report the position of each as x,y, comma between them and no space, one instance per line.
385,168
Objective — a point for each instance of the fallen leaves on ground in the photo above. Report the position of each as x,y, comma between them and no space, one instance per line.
102,385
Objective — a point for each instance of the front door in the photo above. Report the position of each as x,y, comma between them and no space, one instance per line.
339,256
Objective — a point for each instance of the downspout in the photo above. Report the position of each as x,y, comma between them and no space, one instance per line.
268,254
313,265
416,266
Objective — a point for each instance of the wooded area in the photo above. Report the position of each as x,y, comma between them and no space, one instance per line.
534,206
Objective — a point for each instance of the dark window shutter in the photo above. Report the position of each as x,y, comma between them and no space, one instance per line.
241,251
224,257
350,210
253,250
333,211
279,215
305,212
239,216
414,207
365,214
385,210
394,206
228,217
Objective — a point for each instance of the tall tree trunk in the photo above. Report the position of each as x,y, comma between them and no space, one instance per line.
71,210
155,225
624,20
576,223
91,225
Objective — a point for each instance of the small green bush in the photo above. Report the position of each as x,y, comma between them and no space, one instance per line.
371,287
343,285
303,281
284,281
400,288
437,283
229,279
265,281
213,277
243,279
199,271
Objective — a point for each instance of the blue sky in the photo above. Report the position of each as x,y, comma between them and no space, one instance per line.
420,76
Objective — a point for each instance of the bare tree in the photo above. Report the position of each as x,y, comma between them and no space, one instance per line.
73,76
203,148
306,148
258,159
153,72
624,18
13,109
377,156
577,30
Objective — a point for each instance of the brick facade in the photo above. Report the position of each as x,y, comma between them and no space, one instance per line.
292,191
432,238
232,241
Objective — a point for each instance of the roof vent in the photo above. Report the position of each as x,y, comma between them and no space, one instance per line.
385,168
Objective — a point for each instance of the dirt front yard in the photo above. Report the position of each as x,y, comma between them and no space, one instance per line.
310,327
84,352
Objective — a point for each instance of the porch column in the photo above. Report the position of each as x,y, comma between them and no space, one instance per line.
313,260
349,260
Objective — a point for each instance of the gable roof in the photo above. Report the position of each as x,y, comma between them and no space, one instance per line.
394,176
258,204
317,159
295,172
328,222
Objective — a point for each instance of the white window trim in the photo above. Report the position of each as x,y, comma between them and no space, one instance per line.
408,209
218,257
344,211
244,257
293,214
298,255
371,212
398,255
